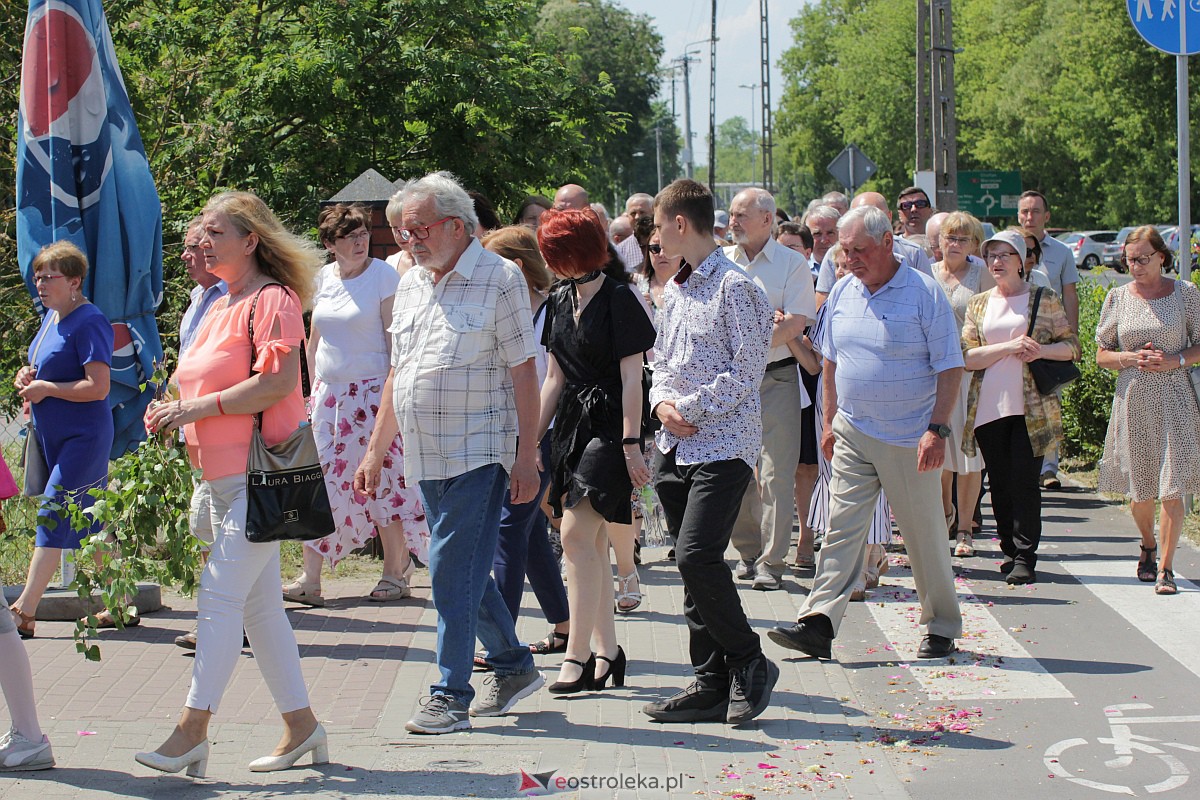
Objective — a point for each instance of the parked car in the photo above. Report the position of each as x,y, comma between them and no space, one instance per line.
1088,246
1171,238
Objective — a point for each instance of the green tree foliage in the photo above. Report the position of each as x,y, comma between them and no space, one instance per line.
1063,90
608,45
1087,402
643,176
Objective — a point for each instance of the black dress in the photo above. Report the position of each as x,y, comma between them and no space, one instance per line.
586,457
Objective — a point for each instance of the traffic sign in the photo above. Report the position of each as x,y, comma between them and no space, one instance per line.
989,193
852,168
1172,26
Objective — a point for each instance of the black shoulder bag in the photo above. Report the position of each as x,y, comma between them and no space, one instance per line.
285,486
1048,376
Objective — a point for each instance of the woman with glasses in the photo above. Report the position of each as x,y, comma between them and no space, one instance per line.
349,359
1012,422
1149,331
961,278
66,386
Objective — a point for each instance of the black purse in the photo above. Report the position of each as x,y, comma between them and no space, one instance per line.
1048,376
286,496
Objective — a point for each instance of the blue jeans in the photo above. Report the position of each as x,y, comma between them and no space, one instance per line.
464,521
524,549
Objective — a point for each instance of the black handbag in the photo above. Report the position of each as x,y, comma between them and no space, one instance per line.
1049,376
286,496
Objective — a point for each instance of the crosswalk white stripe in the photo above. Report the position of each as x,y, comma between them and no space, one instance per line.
1172,623
991,664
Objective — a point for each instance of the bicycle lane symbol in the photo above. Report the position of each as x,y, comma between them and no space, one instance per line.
1126,746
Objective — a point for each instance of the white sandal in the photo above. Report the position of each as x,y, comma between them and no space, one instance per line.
303,593
627,595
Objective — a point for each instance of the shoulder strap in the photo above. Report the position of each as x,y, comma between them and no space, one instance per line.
540,311
41,337
1037,300
1187,339
305,387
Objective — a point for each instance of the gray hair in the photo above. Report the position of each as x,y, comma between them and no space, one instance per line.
823,212
762,199
640,197
835,197
874,222
450,199
395,206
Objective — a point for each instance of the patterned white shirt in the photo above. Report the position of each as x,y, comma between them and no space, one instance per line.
453,344
714,331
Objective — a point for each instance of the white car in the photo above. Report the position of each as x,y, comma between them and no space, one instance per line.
1088,246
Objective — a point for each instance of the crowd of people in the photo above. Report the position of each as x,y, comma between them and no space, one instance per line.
493,401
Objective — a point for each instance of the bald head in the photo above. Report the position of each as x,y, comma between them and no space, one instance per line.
620,229
571,196
933,233
872,199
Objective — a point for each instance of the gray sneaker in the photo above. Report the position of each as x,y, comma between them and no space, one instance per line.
765,581
441,713
18,754
745,570
501,693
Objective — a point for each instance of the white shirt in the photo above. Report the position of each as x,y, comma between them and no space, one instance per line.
630,252
353,345
453,344
1058,262
785,276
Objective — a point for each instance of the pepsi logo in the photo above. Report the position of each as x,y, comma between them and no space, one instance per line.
62,87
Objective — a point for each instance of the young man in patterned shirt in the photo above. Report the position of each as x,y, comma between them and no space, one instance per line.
714,335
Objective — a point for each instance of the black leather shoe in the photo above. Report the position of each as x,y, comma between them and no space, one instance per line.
696,703
1021,574
934,646
804,638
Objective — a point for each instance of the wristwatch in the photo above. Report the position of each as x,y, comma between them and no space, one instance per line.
942,431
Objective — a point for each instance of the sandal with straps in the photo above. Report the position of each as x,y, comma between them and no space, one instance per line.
1166,583
554,642
1147,568
965,547
25,622
628,599
307,594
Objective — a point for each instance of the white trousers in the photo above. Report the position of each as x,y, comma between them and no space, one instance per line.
240,588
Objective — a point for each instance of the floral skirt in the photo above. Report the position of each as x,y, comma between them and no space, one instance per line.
343,416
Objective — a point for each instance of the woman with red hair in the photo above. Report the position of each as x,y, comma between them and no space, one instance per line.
595,334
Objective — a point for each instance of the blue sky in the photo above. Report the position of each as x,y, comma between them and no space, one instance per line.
683,21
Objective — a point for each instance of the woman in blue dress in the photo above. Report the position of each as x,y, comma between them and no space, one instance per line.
66,386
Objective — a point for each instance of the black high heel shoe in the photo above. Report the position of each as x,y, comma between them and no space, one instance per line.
580,684
616,668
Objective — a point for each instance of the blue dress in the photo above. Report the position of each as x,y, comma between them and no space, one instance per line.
76,437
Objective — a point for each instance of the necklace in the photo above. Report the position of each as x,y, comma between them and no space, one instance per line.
575,284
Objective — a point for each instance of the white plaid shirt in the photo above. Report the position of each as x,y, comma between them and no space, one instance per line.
453,344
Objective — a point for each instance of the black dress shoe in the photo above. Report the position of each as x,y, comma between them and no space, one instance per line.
1021,574
804,638
696,703
1006,566
934,646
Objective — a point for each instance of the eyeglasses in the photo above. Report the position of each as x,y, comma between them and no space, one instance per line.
957,239
654,248
1141,261
421,232
909,205
998,256
38,280
357,236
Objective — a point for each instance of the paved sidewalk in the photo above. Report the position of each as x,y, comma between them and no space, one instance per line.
368,665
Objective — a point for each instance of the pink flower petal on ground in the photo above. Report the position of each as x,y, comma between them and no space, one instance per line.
86,733
764,765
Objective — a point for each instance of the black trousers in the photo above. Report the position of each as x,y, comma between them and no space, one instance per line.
701,502
1013,472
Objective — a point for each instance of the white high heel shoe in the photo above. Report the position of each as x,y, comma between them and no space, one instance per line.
195,760
317,743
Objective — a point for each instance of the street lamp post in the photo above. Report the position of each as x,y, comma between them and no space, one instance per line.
753,87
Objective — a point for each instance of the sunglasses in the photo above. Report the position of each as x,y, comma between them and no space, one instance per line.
654,248
909,205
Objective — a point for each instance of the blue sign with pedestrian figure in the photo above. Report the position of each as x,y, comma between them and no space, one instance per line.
1172,26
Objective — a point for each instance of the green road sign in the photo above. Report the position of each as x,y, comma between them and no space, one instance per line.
989,193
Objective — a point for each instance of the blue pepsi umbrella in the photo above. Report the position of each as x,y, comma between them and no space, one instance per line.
83,176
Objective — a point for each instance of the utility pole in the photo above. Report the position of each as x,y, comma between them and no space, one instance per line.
752,87
685,61
937,128
658,153
712,102
768,160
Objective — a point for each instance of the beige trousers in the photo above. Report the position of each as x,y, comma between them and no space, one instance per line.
763,531
862,466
